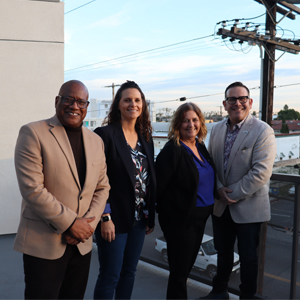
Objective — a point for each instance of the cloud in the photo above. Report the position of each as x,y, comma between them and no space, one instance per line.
68,36
112,21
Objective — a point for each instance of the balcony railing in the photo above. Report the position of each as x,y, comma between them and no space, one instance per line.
294,230
278,269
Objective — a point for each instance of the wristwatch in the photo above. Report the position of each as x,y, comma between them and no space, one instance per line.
105,218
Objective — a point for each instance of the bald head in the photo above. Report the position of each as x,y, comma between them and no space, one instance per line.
67,85
68,104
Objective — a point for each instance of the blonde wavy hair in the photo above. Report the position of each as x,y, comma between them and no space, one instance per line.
178,118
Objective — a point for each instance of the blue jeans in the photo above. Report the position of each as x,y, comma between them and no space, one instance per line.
226,231
118,262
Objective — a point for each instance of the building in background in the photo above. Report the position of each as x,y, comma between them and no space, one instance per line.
294,126
99,109
31,73
288,145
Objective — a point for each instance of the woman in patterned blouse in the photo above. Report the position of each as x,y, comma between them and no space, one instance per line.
130,208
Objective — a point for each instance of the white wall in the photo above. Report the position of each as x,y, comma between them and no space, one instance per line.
286,146
31,73
92,123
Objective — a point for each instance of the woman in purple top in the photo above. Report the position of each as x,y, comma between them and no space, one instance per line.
185,193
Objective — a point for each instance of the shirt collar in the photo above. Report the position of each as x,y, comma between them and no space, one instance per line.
238,125
182,143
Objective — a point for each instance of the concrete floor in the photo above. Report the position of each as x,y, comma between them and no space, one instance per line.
151,281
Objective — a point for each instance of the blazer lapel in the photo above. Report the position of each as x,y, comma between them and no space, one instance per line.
146,146
150,155
61,137
244,131
88,150
220,156
125,155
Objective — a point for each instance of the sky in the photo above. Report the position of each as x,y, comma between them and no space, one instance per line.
171,49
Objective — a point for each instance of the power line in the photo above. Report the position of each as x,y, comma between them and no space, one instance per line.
138,53
201,96
172,52
242,19
79,7
279,86
160,50
209,95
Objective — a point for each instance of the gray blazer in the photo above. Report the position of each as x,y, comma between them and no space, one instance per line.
248,171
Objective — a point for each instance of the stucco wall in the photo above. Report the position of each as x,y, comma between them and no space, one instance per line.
31,59
287,147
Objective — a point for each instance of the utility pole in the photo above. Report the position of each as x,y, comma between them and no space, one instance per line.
270,43
269,65
113,89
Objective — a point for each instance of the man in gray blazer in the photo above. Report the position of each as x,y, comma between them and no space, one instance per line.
243,149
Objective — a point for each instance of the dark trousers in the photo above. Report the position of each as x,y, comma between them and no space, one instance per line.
182,248
63,278
226,231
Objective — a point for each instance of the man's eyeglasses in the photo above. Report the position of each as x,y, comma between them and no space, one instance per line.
69,101
242,99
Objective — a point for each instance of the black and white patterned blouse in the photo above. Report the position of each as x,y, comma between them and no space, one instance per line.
142,180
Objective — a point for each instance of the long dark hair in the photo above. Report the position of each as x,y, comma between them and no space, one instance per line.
143,124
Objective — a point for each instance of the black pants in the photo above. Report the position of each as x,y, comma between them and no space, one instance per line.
63,278
183,247
226,231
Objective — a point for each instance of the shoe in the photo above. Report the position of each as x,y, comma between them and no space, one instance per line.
213,295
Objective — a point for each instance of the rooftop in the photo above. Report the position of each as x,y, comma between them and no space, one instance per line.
151,281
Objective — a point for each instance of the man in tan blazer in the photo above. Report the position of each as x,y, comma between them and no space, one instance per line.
243,149
61,171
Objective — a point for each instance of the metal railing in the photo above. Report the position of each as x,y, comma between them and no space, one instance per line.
296,180
294,230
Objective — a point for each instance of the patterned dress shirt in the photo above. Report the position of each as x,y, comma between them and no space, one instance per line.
229,140
142,180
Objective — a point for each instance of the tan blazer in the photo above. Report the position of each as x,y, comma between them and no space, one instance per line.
248,171
50,187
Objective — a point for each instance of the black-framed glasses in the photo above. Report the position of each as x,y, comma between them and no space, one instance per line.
242,99
69,101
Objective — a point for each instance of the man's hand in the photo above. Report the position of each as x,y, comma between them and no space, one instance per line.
223,197
70,240
108,230
81,230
